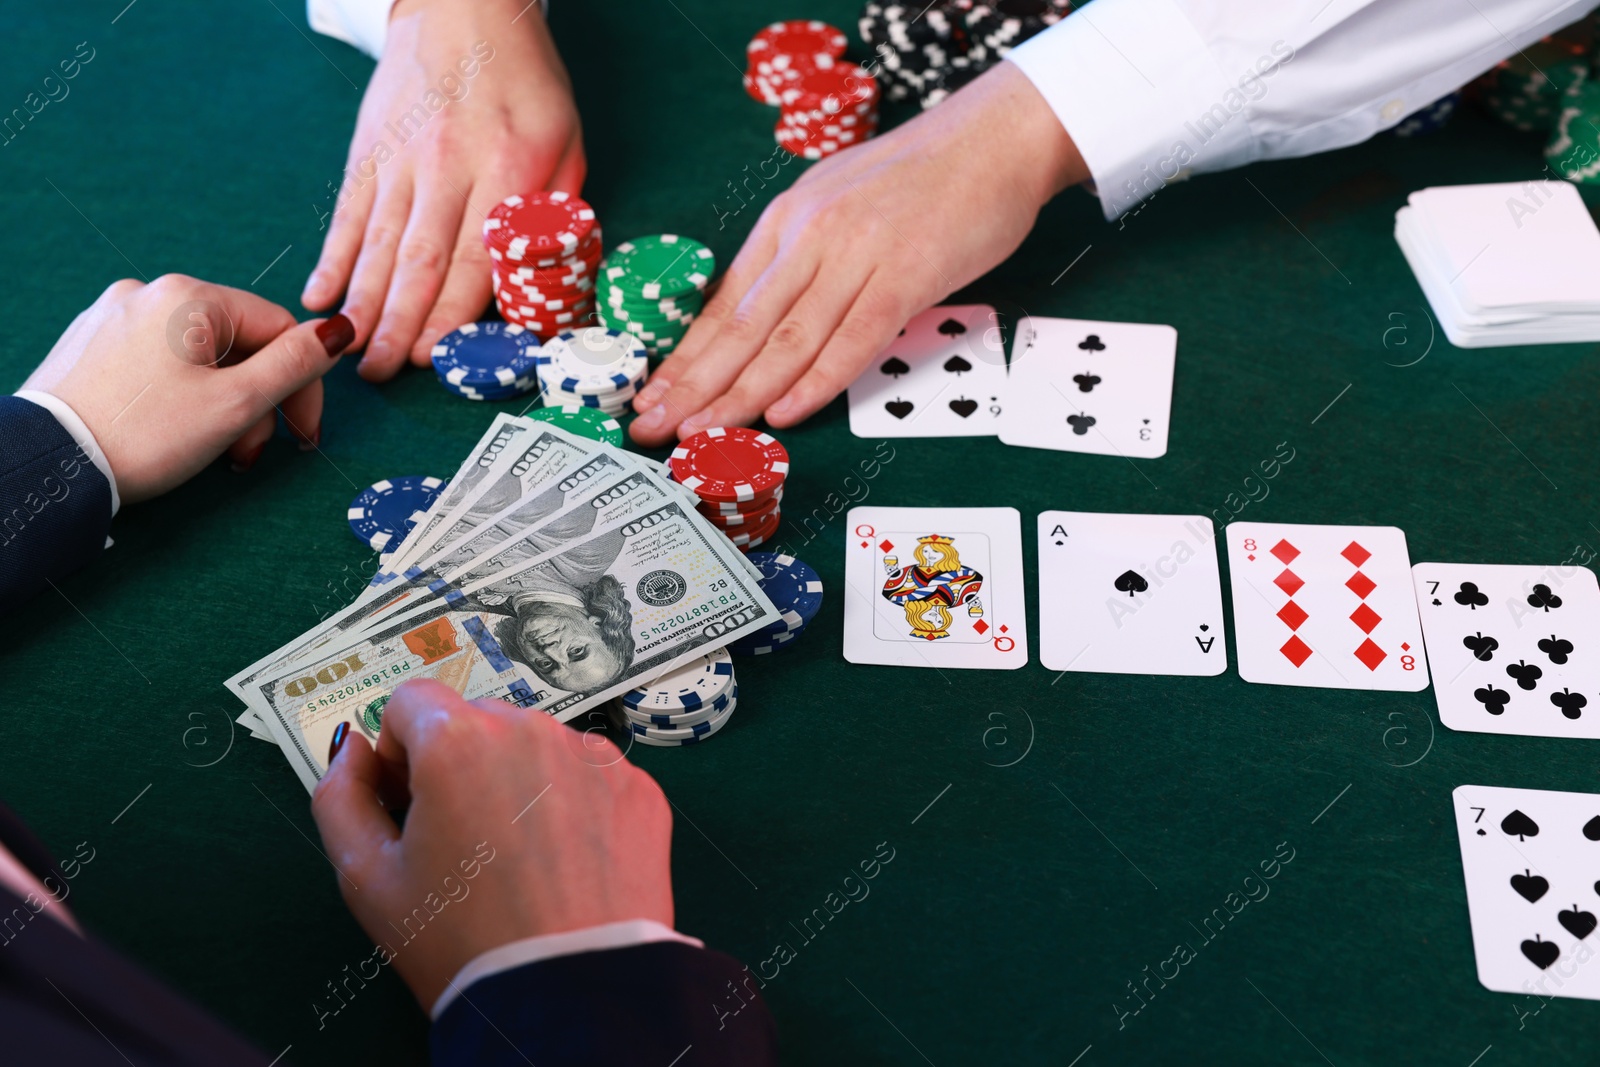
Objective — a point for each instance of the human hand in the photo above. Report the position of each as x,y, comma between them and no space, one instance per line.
405,244
543,828
862,241
168,375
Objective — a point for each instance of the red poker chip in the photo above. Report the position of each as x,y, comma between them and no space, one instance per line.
543,296
831,89
547,311
761,502
545,326
728,464
750,537
585,259
543,224
741,522
795,37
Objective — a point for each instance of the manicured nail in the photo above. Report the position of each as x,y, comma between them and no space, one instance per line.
340,732
336,334
240,466
652,420
310,444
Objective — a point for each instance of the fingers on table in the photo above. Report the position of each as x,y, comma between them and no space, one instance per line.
346,228
431,246
877,315
369,281
465,292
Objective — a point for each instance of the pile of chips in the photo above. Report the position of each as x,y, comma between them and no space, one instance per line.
653,287
582,421
545,248
593,367
381,515
781,52
927,52
826,109
682,707
1429,119
487,361
738,475
795,590
1526,91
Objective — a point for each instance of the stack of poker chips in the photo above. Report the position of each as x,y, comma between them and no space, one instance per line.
826,109
780,52
592,367
993,29
588,422
929,51
1526,91
682,707
545,248
653,287
487,360
1428,119
383,513
795,590
738,475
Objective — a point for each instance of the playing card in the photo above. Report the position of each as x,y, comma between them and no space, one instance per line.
1325,606
943,376
1514,649
1530,857
1082,386
935,587
1129,594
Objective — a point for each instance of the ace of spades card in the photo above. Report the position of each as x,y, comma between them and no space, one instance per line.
1530,857
935,587
1515,650
1083,386
1129,594
1329,607
943,376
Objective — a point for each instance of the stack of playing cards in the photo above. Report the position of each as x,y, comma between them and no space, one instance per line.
1074,385
1505,264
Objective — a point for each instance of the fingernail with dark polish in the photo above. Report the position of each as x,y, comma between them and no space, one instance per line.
340,732
336,334
240,466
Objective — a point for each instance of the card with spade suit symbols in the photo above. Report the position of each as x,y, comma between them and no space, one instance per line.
1515,649
943,376
1530,857
935,587
1083,386
1330,607
1130,594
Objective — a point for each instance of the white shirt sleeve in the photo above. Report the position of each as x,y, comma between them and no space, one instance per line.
361,23
1154,90
78,430
623,934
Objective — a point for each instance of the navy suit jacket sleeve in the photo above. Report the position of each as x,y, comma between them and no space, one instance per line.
658,1003
55,505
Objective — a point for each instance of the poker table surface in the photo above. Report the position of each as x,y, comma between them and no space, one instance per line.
1054,838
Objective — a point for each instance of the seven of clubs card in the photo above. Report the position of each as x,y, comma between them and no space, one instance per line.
1325,606
1129,594
1530,857
1512,648
1081,386
935,587
944,376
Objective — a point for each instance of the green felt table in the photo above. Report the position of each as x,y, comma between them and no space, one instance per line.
1052,837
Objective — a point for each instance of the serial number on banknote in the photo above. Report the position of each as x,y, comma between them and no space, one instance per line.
381,676
706,607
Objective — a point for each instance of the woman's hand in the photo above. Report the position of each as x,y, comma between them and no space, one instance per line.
168,375
469,104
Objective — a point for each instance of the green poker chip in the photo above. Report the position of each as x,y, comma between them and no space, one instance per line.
583,421
664,265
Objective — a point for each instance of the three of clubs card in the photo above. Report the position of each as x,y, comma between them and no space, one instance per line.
935,587
1083,386
1330,607
1513,648
1129,594
1530,857
943,376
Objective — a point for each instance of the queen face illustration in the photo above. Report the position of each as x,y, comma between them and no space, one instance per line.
936,583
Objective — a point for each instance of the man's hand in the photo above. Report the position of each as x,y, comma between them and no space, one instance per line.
169,374
837,264
469,104
518,826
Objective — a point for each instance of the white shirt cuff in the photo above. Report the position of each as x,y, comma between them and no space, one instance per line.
1123,76
623,934
79,432
361,23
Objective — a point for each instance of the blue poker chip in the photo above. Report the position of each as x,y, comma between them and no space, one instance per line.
382,514
685,688
486,355
759,644
792,586
1430,118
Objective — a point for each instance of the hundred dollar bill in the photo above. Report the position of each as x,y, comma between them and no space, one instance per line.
561,634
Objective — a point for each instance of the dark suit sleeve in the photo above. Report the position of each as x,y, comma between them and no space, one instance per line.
55,505
648,1004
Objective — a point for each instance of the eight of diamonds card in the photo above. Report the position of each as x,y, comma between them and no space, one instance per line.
1530,857
943,376
1325,606
1129,594
935,587
1515,650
